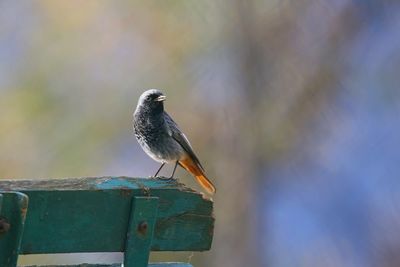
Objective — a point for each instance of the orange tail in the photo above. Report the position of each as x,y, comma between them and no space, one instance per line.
197,172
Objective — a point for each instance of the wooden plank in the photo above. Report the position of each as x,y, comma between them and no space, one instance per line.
90,183
167,264
92,214
83,265
12,218
1,203
140,231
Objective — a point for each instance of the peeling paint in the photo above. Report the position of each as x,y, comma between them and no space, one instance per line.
65,208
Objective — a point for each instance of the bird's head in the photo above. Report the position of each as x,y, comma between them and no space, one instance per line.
152,100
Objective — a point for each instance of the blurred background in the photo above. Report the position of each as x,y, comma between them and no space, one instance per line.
293,108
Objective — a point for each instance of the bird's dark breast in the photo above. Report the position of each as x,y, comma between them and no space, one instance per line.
152,134
147,131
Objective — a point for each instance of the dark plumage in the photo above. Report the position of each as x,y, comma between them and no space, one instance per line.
161,138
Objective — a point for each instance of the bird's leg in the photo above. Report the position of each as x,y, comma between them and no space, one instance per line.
172,176
159,169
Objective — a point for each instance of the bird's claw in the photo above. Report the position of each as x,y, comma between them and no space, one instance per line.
165,178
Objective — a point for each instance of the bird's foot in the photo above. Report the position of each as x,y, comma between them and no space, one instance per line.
165,178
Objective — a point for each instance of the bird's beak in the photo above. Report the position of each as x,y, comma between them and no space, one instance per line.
160,98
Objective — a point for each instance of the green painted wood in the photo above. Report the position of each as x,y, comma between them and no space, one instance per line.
12,218
140,231
1,202
81,265
167,264
92,214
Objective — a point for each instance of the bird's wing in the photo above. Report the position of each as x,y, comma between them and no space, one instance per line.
180,137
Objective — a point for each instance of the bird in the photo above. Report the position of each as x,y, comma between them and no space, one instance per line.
162,140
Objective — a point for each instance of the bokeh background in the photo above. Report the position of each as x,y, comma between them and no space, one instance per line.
292,106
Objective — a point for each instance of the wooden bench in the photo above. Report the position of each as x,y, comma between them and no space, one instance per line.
104,214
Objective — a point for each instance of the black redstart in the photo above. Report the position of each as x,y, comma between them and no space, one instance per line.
161,138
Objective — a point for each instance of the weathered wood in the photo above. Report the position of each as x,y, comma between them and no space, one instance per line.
12,217
90,183
92,214
81,265
140,231
167,264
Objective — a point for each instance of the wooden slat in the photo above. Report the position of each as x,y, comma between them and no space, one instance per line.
12,217
167,264
140,231
91,214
